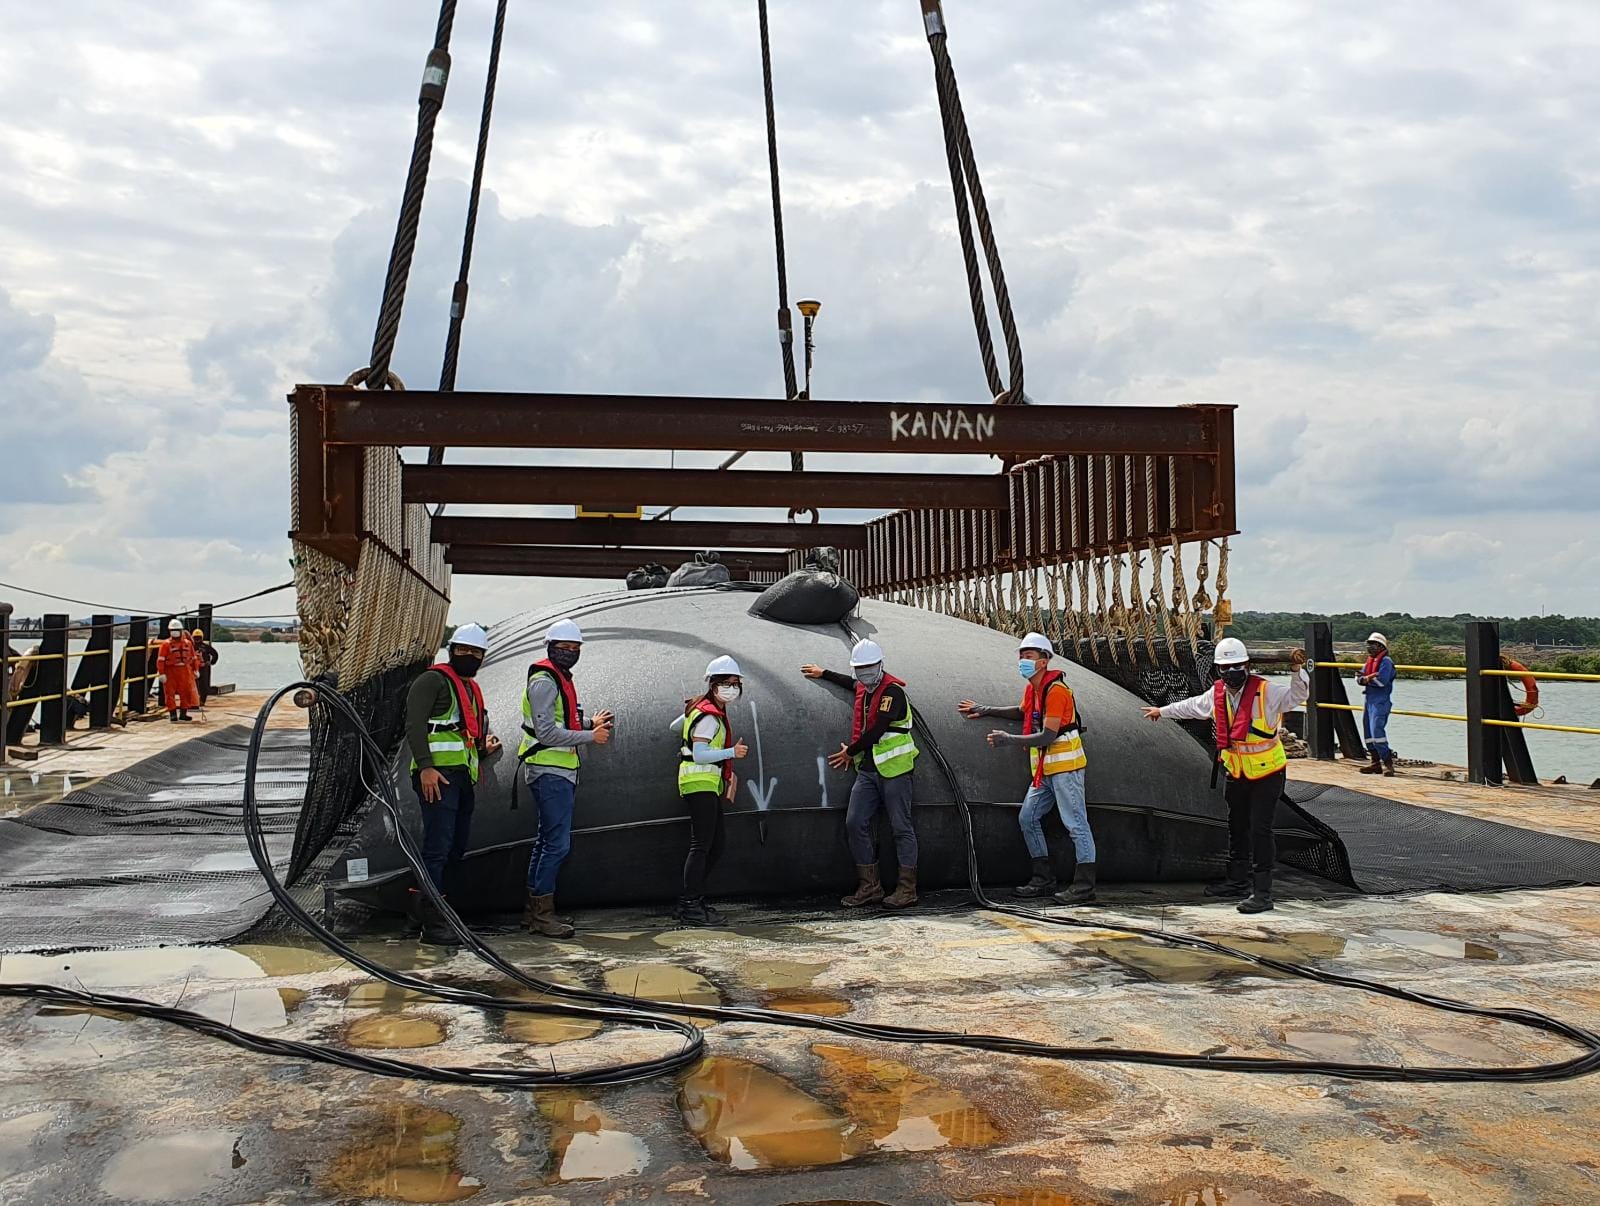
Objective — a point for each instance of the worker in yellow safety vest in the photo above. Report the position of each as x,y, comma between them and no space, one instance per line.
1052,735
447,730
1246,711
883,750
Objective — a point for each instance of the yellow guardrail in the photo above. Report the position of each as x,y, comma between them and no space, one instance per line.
1333,707
1413,669
1559,676
1530,724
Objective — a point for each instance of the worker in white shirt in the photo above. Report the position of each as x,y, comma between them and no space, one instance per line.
1246,711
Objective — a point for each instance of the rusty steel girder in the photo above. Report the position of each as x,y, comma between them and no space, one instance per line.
1096,480
569,561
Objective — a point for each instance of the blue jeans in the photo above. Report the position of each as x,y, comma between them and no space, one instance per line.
1375,719
445,825
553,796
1065,792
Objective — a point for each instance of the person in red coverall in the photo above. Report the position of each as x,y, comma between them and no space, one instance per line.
178,661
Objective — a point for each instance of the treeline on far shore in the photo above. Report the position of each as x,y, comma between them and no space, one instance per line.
1437,640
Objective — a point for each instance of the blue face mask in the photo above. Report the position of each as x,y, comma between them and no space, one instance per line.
1027,667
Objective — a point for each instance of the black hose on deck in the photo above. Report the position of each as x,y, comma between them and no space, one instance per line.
620,1008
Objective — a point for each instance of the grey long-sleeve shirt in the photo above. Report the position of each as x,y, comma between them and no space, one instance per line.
542,696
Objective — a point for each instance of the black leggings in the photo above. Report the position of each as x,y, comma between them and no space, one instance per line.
705,840
1252,807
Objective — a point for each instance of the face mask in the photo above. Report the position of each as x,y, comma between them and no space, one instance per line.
1027,667
565,658
1235,676
465,665
727,693
869,676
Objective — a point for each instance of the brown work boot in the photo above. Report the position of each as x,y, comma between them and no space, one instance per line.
539,917
868,889
1388,766
905,892
1375,767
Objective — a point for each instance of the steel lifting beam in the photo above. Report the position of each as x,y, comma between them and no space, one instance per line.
560,561
453,530
537,485
355,417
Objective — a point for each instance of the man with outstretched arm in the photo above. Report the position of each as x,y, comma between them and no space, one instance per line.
883,750
1246,711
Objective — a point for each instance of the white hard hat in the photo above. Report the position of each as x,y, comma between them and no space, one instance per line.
472,636
174,625
1037,640
1380,638
563,630
866,653
718,666
1230,651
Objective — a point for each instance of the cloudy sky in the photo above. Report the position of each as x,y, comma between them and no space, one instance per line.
1371,226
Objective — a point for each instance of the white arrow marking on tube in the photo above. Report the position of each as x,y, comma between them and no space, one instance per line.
822,777
763,798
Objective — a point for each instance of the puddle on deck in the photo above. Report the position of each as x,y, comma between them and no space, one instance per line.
169,1168
665,982
901,1109
815,1001
252,1009
1437,944
543,1029
406,1153
17,1137
24,789
1179,965
1327,1044
586,1143
394,1031
750,1118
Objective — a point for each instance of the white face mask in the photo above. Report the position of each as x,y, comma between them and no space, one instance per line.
728,693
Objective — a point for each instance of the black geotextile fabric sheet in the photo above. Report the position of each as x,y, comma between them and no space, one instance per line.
152,854
1396,847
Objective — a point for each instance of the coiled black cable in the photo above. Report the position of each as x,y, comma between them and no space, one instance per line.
623,1009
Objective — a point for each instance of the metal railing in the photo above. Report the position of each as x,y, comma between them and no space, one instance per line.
1495,743
116,685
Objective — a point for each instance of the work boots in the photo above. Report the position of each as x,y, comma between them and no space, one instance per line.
435,931
1082,889
1388,765
539,917
1043,882
1236,884
868,889
1375,767
905,892
691,910
1260,899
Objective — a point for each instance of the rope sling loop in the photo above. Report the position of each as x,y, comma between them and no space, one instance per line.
971,207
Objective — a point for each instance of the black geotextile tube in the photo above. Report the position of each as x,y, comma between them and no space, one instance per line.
615,1007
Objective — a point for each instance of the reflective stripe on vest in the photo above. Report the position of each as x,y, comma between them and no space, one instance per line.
895,753
695,776
447,740
1066,752
1259,755
530,751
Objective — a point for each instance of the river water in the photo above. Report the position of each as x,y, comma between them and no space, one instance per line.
1575,755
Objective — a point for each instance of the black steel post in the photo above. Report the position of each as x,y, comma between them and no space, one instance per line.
97,662
1324,683
52,680
136,656
1483,740
203,623
5,677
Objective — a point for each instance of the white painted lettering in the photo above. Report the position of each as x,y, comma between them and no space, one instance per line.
963,424
919,426
985,426
897,425
942,423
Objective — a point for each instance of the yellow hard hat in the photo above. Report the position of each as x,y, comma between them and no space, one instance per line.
199,632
